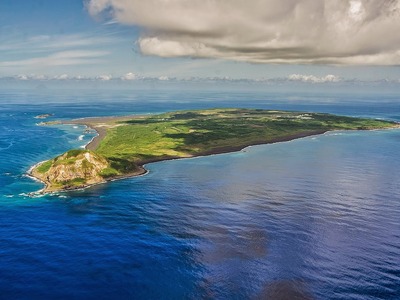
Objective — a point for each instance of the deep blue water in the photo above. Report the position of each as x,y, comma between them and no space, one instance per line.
315,218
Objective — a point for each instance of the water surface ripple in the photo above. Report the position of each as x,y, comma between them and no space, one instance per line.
315,218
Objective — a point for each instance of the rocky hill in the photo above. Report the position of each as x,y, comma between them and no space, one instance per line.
72,170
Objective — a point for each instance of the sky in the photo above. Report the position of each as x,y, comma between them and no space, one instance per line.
295,40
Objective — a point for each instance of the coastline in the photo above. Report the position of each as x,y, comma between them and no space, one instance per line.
95,141
101,132
101,124
30,174
141,164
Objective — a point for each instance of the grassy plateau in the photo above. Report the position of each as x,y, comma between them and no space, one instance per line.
128,143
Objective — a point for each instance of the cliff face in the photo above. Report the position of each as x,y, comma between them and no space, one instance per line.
71,170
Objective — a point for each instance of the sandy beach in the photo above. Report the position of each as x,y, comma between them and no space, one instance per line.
100,125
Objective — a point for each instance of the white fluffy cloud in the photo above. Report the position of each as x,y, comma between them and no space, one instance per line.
267,31
313,79
104,77
129,76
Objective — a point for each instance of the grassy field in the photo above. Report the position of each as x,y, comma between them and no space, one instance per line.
190,133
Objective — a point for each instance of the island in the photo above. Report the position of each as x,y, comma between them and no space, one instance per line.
43,116
125,144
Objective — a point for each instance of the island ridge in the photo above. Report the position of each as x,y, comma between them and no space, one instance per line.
125,144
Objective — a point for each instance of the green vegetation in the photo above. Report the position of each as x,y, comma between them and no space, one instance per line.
129,144
74,152
188,133
45,166
109,172
74,182
69,157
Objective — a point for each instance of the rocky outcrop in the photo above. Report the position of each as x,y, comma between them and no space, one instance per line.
71,170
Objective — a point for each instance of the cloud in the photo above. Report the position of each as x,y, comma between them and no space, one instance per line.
355,32
313,79
41,77
104,77
63,58
22,77
47,53
42,43
62,77
129,76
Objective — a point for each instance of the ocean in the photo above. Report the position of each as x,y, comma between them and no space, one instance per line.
313,218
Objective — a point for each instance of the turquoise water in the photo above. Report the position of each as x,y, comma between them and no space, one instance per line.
315,218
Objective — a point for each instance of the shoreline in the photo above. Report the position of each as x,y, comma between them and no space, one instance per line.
141,164
101,124
101,131
30,174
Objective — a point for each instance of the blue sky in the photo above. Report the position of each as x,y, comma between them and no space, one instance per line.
106,39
